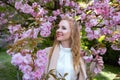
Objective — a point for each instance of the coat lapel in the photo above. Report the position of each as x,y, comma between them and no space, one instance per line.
53,60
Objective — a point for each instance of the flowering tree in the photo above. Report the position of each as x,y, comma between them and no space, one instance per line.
31,21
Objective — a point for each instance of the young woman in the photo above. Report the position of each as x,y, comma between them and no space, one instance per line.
65,55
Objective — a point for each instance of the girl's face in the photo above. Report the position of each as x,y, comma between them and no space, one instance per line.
63,32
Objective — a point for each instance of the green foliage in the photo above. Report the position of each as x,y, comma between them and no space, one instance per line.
2,9
7,70
48,41
111,56
50,5
108,73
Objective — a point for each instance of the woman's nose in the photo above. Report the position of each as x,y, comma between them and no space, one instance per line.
58,30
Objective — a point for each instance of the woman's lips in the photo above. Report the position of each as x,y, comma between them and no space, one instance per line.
59,34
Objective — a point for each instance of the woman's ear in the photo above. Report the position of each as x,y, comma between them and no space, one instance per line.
79,25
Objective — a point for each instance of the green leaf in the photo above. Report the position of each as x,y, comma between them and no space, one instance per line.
53,75
50,5
101,38
65,74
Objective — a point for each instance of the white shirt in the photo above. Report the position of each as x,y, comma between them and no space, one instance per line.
65,64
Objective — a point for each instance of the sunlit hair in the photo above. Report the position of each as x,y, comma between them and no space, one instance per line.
75,42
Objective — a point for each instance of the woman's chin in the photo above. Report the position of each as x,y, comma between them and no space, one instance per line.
59,39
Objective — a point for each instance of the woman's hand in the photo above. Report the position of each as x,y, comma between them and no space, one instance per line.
99,64
100,61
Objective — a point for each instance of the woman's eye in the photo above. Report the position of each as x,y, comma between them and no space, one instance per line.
63,27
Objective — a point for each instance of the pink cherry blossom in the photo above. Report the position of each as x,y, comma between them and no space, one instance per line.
102,50
88,30
41,58
52,18
78,10
67,3
99,64
73,4
56,13
116,18
88,24
106,31
93,51
27,33
88,59
116,36
35,32
27,9
61,2
25,68
118,1
31,33
41,12
93,22
97,33
41,53
90,36
40,62
18,5
45,33
45,29
37,74
27,59
3,20
83,16
46,26
27,76
13,29
45,1
102,9
34,5
97,70
115,47
26,51
10,53
17,59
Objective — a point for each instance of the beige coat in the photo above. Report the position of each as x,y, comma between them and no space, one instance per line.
53,62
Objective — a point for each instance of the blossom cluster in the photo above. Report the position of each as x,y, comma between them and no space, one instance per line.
2,19
95,56
39,15
103,20
31,66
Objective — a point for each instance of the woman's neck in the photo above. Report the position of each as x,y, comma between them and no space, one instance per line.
65,44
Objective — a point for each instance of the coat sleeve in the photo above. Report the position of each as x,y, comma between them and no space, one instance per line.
86,71
82,70
89,67
48,49
90,70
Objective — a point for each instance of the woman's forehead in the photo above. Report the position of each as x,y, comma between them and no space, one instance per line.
63,23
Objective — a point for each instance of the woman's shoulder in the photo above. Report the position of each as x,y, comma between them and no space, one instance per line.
48,49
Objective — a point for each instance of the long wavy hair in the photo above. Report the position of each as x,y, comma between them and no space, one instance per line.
75,42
